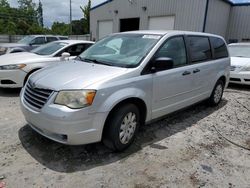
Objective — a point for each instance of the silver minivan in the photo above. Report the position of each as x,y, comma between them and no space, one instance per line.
123,81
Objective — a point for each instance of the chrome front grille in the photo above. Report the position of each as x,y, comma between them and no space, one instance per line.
36,97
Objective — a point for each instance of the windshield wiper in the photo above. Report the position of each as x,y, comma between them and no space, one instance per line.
95,61
79,58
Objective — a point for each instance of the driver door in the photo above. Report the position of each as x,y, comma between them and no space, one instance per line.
173,88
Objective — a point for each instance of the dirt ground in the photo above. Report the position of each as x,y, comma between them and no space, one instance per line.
191,148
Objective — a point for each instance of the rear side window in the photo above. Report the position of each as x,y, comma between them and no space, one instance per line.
63,38
219,47
199,49
51,39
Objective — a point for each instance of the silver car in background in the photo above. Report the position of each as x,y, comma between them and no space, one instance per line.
122,82
28,43
16,68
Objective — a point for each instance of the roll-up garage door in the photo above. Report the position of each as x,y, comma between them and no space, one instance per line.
161,23
105,28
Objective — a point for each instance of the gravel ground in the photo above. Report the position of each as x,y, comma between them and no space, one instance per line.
191,148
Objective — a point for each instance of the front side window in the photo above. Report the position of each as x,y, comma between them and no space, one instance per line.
38,40
122,50
175,49
199,49
75,50
50,48
220,48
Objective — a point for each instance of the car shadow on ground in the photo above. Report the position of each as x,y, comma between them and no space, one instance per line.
239,87
62,158
10,92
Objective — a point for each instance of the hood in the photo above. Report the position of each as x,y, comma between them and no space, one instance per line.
240,61
11,45
21,57
74,75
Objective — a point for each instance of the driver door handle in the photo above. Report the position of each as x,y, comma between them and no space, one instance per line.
186,73
196,71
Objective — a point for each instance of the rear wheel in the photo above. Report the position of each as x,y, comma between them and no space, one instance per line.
217,93
121,128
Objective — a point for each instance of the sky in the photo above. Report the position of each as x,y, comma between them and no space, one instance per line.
58,10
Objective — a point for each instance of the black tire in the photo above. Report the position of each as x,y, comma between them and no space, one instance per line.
217,93
113,130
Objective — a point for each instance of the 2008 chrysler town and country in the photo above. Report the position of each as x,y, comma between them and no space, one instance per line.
123,81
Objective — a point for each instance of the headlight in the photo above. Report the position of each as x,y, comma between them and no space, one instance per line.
75,99
245,69
12,67
3,49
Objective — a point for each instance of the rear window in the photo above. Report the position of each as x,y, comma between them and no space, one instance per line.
199,49
219,47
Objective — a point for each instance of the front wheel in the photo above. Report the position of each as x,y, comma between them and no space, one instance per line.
121,128
217,93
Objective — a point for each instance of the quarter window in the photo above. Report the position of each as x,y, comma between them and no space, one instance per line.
219,46
175,49
199,49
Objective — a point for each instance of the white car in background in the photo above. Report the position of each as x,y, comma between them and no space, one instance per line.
240,63
16,68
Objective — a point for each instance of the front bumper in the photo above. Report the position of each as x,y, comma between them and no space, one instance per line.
64,125
12,78
240,77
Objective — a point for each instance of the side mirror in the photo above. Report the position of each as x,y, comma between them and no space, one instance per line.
162,63
65,55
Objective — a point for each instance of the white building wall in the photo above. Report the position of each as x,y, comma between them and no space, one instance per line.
218,17
189,14
239,24
231,22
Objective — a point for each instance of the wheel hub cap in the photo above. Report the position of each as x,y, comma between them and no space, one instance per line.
218,93
128,128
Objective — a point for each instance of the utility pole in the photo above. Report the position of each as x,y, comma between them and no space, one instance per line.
70,17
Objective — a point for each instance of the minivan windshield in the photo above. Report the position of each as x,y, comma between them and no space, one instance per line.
121,50
26,40
50,48
239,51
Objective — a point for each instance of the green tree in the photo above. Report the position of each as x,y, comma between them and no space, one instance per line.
27,11
86,15
77,27
23,27
26,4
11,28
40,14
4,4
60,28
